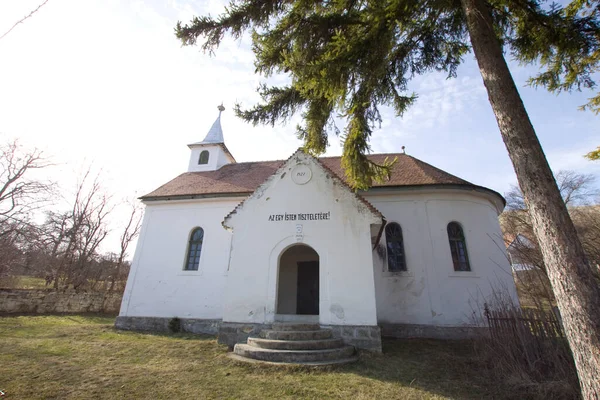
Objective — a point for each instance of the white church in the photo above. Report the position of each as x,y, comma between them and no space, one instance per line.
249,251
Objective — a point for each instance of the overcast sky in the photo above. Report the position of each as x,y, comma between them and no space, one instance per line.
106,82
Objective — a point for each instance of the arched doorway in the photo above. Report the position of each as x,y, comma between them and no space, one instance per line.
298,282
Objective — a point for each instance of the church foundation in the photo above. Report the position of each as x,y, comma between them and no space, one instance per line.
360,336
364,337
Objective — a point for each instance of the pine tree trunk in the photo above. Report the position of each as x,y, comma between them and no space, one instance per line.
577,292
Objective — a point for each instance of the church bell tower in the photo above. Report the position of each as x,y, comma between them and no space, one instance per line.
211,153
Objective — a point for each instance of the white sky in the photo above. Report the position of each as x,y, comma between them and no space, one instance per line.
106,82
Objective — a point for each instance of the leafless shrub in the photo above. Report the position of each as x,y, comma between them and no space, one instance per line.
527,349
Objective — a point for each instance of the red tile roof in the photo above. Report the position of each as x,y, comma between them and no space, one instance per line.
244,178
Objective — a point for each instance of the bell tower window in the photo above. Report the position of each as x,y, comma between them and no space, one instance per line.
203,159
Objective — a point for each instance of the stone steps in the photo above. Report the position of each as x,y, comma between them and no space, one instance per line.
288,326
295,344
296,335
292,356
304,364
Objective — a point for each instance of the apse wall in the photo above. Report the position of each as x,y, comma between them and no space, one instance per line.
430,292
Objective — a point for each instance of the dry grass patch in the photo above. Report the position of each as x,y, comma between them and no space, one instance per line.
23,282
80,357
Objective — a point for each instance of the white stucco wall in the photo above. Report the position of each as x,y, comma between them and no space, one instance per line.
216,159
343,242
355,289
157,285
431,292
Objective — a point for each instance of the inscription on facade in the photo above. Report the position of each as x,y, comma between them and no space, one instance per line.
320,216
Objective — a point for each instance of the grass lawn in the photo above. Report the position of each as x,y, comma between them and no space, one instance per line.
25,282
81,357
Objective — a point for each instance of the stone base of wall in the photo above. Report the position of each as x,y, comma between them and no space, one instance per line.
360,336
366,337
46,301
160,324
231,333
404,331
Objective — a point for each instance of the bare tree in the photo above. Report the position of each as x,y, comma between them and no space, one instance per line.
587,221
72,238
132,229
575,189
578,193
20,195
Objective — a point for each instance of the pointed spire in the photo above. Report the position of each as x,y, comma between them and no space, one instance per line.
215,134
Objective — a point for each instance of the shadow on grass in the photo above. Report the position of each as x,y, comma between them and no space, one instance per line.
440,368
408,368
445,367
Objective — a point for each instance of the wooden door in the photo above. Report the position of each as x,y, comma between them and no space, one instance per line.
307,298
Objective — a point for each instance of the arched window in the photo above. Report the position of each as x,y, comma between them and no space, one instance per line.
458,247
395,247
194,250
203,157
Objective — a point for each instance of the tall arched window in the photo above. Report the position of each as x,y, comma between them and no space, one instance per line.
458,247
194,250
395,247
203,159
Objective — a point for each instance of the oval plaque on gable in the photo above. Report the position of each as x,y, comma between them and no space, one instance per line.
301,174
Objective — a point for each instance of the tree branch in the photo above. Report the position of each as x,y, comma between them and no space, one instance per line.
23,19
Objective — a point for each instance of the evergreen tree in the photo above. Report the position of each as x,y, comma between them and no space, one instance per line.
594,154
349,57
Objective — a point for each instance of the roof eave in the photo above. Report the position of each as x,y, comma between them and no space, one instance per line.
456,186
149,197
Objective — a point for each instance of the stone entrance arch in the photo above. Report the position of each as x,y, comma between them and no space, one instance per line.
298,281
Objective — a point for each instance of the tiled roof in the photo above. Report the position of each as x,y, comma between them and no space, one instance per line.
361,199
244,178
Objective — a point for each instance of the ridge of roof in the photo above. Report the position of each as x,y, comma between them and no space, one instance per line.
245,177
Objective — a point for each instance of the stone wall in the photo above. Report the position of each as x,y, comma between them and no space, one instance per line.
159,324
406,331
50,301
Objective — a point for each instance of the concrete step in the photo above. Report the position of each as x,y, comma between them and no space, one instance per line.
290,326
293,356
305,364
296,335
295,344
